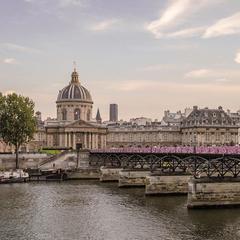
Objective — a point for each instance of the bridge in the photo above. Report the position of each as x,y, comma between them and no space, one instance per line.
209,175
208,162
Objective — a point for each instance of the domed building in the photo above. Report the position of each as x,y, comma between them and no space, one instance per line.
74,123
74,102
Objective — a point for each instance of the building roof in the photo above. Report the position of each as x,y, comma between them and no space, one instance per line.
98,116
206,116
74,91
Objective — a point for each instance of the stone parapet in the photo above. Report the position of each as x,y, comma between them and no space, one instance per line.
157,184
214,192
132,178
27,160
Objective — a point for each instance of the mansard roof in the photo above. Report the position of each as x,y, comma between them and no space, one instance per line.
206,116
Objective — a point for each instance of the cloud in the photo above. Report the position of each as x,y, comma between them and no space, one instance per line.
222,80
151,86
179,11
219,75
189,32
16,47
104,25
199,73
237,58
61,3
136,85
174,10
176,13
9,61
225,26
157,67
66,3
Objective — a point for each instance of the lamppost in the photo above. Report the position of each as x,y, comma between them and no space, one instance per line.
195,141
78,147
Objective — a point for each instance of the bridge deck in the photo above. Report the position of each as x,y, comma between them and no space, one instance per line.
223,150
210,162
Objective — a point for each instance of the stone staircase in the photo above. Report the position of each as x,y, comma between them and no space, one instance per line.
64,160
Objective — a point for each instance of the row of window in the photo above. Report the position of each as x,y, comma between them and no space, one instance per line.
223,122
77,114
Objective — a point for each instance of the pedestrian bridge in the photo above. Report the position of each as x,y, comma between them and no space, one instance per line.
208,162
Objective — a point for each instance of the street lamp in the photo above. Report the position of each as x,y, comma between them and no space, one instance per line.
78,147
194,141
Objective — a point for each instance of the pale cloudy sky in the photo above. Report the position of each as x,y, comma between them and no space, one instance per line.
147,56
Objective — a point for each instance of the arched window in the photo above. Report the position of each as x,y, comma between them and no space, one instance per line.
64,114
77,114
88,115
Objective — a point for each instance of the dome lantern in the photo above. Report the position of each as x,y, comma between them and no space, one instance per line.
75,79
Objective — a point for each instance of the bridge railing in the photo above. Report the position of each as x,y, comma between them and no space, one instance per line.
180,149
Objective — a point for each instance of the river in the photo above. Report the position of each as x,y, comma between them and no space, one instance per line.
91,210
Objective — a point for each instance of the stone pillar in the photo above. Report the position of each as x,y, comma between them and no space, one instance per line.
102,141
65,139
96,141
215,192
163,184
132,178
69,139
74,141
109,174
89,141
85,140
60,140
92,142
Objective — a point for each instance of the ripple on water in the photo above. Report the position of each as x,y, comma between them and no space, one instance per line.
92,210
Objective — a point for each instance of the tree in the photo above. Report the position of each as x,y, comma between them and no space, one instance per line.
17,121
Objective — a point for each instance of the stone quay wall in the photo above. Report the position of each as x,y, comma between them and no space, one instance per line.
26,160
82,174
204,193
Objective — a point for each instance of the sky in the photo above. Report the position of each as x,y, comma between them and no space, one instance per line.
145,55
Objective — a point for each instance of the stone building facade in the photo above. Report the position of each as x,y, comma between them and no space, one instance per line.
196,127
74,124
143,136
209,127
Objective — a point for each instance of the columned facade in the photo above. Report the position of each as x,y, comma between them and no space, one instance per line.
74,123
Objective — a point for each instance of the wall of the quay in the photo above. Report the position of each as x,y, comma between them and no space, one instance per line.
215,192
109,174
26,160
87,173
166,184
132,178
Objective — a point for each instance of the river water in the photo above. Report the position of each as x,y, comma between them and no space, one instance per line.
76,210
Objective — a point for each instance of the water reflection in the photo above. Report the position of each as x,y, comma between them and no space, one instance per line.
93,210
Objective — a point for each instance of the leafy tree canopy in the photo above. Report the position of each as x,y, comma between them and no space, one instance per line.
17,121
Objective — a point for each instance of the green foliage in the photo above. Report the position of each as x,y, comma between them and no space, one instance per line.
17,121
50,151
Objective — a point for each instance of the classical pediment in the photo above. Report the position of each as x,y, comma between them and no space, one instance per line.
81,124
